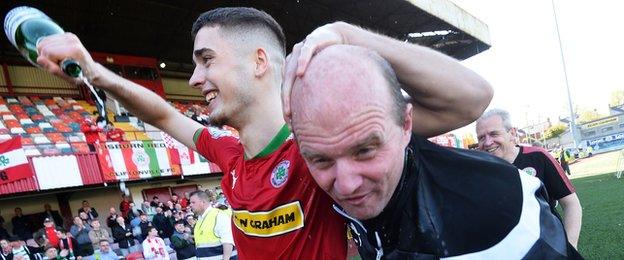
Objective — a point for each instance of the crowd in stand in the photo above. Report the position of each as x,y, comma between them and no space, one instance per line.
152,230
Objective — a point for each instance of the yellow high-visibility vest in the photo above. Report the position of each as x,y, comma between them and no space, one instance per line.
204,229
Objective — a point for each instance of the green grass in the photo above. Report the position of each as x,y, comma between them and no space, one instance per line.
602,199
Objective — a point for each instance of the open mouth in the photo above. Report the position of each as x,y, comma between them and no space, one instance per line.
491,150
211,95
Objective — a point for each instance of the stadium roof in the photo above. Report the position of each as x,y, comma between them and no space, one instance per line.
161,28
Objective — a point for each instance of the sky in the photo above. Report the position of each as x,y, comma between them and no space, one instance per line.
524,63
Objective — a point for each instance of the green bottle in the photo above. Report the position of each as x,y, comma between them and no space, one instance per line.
25,26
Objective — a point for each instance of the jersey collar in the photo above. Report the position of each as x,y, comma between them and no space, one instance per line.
275,143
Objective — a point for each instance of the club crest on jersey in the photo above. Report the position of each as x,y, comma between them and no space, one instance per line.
279,175
530,171
217,133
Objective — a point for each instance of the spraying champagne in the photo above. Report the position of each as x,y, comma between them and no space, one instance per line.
26,26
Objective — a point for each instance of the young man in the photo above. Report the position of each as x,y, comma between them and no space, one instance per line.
239,55
405,197
495,136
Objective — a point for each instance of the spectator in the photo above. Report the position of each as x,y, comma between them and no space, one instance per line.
49,231
161,222
67,244
155,202
147,208
20,250
104,252
174,199
123,234
5,250
91,132
80,232
91,212
51,253
564,159
21,225
185,201
190,222
111,220
182,242
168,206
113,133
97,234
124,207
154,247
132,213
51,214
144,226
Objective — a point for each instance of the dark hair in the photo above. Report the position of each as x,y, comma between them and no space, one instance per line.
155,197
174,194
179,222
241,17
85,201
103,240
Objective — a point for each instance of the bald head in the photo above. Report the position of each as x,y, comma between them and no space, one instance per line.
341,80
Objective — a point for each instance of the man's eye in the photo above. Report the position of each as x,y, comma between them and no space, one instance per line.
321,163
365,153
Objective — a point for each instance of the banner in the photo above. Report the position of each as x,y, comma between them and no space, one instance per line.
136,160
181,154
199,166
13,163
55,172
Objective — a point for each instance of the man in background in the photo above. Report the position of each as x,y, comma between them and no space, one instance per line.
495,135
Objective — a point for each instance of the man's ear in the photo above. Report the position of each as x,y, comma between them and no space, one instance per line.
262,62
408,123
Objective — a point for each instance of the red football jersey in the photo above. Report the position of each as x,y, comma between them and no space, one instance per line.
278,211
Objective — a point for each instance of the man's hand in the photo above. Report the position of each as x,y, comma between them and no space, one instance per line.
54,49
298,60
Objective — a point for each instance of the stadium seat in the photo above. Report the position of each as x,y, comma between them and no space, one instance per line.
80,147
31,150
17,130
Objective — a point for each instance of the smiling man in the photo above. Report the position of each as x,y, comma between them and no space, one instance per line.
495,135
405,197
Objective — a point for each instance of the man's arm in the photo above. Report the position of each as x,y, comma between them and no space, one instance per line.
572,217
445,94
223,230
140,101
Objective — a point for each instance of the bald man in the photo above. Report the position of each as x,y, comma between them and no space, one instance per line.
403,196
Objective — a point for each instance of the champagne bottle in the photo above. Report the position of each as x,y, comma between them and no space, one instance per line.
25,26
